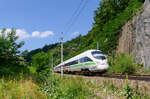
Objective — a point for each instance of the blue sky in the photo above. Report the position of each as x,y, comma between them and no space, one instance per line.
40,22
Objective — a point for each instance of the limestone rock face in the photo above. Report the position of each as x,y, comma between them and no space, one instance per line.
126,39
135,37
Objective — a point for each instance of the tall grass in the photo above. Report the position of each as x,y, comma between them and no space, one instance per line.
44,86
124,92
56,87
19,89
52,86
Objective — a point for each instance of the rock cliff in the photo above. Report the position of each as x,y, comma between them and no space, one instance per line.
135,37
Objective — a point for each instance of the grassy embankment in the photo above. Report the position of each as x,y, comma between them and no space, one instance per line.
19,88
55,87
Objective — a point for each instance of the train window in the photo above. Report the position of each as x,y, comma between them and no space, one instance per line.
72,63
97,52
66,64
85,59
98,55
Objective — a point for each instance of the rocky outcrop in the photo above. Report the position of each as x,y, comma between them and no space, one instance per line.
126,39
135,37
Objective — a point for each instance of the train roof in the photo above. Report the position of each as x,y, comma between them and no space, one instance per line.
77,57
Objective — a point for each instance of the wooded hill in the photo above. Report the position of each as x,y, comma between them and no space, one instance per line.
109,18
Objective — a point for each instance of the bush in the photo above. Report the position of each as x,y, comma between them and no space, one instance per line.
13,70
125,64
122,64
41,61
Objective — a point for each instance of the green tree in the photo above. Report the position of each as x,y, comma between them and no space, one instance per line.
9,50
41,61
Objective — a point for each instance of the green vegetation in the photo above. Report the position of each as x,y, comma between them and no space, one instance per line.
125,91
45,86
56,87
10,61
143,71
19,88
52,85
121,64
41,61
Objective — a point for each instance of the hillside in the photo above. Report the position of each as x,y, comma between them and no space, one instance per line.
109,18
135,37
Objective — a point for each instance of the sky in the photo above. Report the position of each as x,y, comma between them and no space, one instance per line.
40,22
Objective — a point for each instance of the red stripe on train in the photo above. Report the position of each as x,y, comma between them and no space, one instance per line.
67,67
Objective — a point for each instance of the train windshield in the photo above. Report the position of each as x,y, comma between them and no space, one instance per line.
98,55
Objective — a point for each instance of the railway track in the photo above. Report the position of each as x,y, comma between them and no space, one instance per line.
120,76
144,77
130,77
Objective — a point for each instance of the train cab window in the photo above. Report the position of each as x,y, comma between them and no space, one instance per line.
85,59
98,55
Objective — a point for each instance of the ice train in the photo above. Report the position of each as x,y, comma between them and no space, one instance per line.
93,61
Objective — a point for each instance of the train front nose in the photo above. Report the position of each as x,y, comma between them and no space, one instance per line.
102,65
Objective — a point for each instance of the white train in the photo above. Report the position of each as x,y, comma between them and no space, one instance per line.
91,60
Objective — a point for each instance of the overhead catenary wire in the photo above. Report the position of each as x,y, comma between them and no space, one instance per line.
75,12
76,17
78,13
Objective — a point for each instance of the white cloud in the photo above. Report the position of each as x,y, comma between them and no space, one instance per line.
75,33
35,34
46,34
42,34
22,34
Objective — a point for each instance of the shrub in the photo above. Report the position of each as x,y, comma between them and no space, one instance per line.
122,64
41,61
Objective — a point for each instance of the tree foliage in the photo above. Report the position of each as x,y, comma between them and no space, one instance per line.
9,51
41,61
108,10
